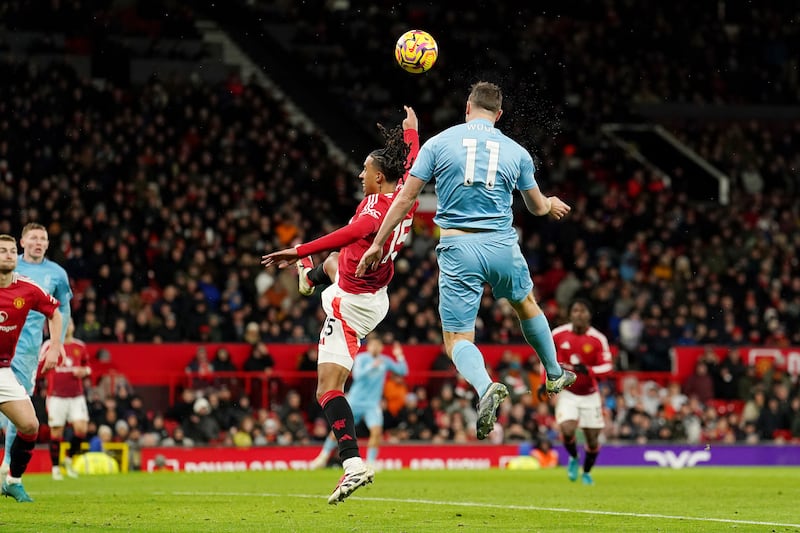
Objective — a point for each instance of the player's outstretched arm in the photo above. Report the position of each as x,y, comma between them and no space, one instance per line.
282,258
359,228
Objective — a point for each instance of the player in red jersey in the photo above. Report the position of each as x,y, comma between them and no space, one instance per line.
66,402
355,306
18,296
584,350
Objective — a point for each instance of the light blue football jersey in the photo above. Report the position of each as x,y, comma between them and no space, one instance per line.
476,168
369,378
54,280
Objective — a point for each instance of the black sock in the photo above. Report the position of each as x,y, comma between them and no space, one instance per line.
572,448
340,418
318,277
591,457
21,452
75,446
55,449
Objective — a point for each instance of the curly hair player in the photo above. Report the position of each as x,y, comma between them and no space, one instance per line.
354,306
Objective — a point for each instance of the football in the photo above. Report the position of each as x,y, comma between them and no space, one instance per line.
416,51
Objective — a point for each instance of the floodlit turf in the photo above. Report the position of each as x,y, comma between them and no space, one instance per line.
623,499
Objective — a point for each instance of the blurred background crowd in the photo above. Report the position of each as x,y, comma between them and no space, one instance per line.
160,195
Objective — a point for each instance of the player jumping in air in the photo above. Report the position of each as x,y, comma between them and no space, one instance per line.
354,306
477,169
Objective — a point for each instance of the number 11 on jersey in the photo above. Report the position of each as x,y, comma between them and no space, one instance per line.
472,154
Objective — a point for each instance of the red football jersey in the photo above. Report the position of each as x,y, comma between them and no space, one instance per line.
364,225
61,381
589,349
16,300
373,208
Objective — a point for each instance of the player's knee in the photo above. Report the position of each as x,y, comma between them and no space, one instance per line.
28,427
527,307
322,391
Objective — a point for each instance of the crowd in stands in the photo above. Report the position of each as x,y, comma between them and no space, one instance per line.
723,402
160,199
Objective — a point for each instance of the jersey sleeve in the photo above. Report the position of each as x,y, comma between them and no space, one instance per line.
398,367
44,303
424,163
411,137
604,361
366,222
527,169
63,293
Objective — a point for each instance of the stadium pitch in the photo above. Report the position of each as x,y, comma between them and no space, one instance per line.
623,499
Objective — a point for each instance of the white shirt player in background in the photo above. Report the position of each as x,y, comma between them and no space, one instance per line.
66,402
585,350
366,392
54,280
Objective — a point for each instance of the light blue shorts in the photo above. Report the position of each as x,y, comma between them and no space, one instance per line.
466,262
372,415
24,366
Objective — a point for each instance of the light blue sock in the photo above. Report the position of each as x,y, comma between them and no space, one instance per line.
11,433
372,454
328,445
537,333
470,364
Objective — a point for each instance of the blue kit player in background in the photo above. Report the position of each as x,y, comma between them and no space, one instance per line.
477,168
54,280
369,375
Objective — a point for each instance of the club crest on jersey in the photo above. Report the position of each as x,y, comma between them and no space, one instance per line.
19,302
587,348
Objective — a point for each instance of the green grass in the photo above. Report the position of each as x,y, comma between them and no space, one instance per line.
623,499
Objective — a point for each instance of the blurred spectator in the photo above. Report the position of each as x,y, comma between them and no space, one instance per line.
442,363
772,419
243,434
104,435
201,426
222,363
109,379
514,377
307,361
200,369
699,385
178,439
182,409
262,362
544,454
259,359
395,391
